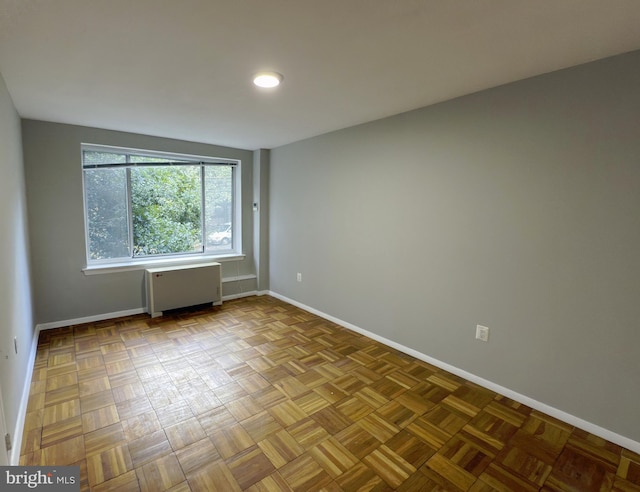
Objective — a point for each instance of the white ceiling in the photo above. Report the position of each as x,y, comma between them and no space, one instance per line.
182,68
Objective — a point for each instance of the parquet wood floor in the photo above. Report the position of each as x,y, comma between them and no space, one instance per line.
259,395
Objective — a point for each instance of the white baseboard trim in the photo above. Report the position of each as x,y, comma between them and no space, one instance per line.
90,319
142,310
230,297
14,455
130,312
594,429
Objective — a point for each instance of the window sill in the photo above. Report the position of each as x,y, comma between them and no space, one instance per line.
156,263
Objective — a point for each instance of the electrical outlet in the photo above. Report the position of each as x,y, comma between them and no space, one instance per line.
482,333
299,277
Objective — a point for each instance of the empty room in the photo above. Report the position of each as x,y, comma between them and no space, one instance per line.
341,245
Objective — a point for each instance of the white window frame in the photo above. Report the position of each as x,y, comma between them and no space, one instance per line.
137,263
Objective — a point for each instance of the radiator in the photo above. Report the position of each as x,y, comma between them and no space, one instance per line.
183,286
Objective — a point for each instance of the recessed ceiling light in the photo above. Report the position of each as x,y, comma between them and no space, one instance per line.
267,79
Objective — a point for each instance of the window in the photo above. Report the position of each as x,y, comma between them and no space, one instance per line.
140,205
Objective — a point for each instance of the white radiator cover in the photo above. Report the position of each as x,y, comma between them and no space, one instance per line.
183,286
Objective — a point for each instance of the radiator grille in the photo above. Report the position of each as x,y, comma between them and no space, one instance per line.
177,287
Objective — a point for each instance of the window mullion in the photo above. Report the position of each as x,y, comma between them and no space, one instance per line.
130,211
203,209
237,217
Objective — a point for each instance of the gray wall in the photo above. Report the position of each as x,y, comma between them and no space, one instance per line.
56,222
517,208
16,316
261,217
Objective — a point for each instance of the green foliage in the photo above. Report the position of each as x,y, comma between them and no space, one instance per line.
166,205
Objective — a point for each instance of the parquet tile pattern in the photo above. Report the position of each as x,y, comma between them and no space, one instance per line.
259,395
